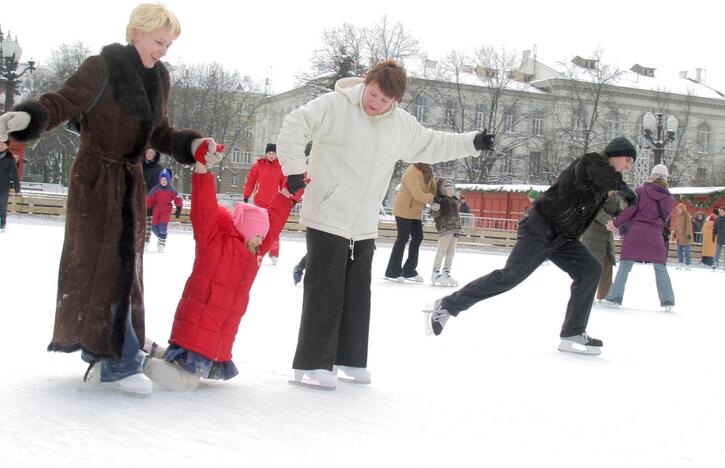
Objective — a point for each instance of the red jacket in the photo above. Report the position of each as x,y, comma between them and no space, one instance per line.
217,292
160,199
264,180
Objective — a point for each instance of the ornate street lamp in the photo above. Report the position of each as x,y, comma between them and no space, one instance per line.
652,125
10,53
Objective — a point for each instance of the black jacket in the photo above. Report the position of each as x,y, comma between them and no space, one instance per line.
151,170
572,203
9,173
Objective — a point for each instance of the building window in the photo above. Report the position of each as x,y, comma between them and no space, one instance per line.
247,157
537,123
248,134
236,156
480,118
701,173
507,161
235,180
611,126
535,163
509,124
420,109
449,114
703,138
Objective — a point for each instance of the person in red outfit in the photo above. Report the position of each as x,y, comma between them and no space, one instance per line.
229,249
264,181
160,200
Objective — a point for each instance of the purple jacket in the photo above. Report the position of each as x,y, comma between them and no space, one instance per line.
643,241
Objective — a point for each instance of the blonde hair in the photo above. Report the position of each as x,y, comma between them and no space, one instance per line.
149,17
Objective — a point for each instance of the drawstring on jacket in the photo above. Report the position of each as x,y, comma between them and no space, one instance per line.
352,250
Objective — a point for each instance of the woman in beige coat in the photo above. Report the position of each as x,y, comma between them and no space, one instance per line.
417,188
683,235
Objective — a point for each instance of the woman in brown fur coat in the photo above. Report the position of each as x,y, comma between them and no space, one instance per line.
100,308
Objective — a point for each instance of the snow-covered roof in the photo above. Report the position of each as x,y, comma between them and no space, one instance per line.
697,190
542,188
631,79
471,79
501,187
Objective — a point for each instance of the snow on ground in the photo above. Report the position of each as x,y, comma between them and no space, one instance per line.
492,390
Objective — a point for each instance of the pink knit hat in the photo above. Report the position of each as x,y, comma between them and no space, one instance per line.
250,220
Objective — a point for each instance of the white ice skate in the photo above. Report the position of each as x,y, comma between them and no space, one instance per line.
274,260
136,384
170,375
359,375
449,279
321,379
581,344
161,246
153,349
395,279
435,318
437,279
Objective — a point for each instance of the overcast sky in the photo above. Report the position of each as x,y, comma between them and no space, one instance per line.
275,38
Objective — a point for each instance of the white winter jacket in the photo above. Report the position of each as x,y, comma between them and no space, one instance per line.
353,156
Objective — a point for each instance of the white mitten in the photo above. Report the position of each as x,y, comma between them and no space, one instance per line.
12,122
212,159
196,143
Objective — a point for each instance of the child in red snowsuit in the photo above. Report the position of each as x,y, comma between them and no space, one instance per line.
229,248
159,200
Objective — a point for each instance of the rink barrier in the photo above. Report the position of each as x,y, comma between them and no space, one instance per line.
478,232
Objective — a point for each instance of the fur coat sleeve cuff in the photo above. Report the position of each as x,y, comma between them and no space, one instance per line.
180,145
38,121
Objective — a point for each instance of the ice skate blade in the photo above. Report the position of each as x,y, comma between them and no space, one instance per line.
310,385
577,348
399,279
428,325
347,374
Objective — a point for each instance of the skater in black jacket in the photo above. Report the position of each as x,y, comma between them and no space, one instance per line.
551,230
8,175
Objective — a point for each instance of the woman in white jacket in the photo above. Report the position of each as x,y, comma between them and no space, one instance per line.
358,134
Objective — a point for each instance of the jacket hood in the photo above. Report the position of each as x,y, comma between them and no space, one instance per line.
656,192
353,88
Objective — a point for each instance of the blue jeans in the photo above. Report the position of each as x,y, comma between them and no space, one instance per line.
718,249
160,230
131,361
686,250
662,278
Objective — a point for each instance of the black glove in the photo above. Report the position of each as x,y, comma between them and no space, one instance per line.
295,182
149,212
628,195
177,213
439,199
484,141
246,199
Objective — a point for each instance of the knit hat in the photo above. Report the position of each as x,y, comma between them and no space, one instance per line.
250,220
165,173
660,172
270,147
620,146
444,184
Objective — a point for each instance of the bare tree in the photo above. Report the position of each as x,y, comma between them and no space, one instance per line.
386,41
208,98
587,100
51,156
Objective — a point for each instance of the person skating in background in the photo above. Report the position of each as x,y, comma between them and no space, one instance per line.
551,229
151,169
264,181
682,234
359,133
643,241
448,224
8,177
229,249
697,222
100,306
718,235
708,241
417,189
600,242
160,200
464,208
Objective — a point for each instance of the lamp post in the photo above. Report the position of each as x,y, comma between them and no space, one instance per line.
10,52
652,125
